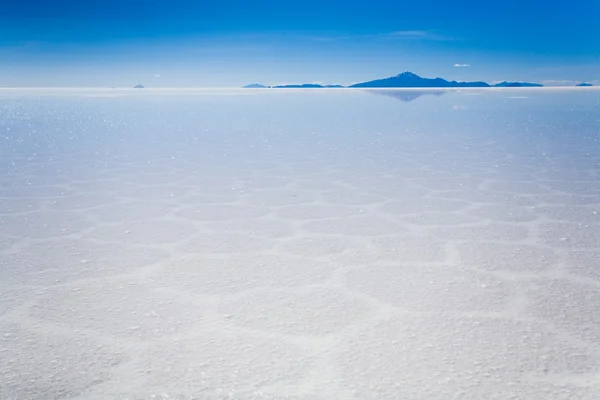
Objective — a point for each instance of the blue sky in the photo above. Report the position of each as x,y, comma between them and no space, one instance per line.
224,43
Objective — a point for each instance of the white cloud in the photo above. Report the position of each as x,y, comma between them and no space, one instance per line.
157,75
417,34
330,38
462,65
397,35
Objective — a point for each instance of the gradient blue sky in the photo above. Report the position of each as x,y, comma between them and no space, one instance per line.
224,43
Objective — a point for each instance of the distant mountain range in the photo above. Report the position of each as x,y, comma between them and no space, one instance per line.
254,86
405,80
306,86
302,86
408,80
517,84
585,84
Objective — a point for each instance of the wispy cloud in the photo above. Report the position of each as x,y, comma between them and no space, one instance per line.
417,35
413,34
462,65
398,35
330,38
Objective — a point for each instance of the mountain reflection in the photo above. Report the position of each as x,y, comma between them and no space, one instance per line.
407,95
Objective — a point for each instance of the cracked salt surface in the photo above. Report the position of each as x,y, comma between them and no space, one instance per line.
292,245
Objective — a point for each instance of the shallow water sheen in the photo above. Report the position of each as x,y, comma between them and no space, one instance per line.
290,244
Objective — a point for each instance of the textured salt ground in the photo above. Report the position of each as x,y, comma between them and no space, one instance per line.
370,252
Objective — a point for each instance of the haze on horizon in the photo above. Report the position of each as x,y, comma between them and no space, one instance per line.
183,43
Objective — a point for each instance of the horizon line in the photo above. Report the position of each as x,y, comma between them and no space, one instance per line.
287,88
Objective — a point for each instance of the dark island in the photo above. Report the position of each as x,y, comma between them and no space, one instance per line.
410,80
303,86
139,87
517,84
255,86
404,80
584,84
306,86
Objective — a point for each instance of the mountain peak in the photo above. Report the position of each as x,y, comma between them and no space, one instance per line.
254,86
408,79
407,74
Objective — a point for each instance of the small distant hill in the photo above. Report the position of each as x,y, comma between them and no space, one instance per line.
298,86
517,84
408,80
302,86
585,84
139,87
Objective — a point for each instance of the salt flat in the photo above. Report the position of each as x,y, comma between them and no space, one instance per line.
300,244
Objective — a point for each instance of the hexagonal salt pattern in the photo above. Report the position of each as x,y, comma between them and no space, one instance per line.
299,246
